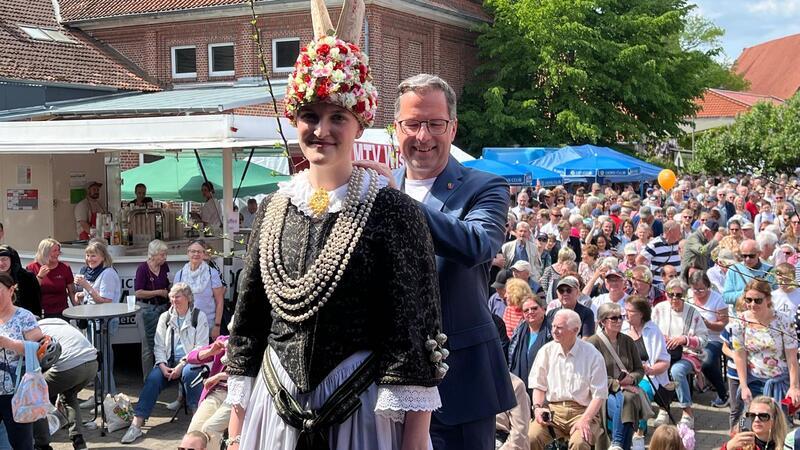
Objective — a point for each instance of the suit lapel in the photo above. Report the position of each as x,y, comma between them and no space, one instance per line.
445,185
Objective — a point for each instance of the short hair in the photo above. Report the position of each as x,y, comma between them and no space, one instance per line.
642,305
591,250
566,254
645,272
139,184
43,251
764,239
605,310
700,277
208,185
251,201
670,225
97,247
516,291
572,318
155,247
667,437
423,83
676,283
204,439
785,270
184,289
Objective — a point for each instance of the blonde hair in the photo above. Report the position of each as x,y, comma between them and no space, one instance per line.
98,248
666,437
517,291
779,426
43,252
182,288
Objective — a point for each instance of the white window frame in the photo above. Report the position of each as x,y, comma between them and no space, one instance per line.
221,73
174,62
275,67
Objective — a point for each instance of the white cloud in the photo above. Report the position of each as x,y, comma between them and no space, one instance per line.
789,7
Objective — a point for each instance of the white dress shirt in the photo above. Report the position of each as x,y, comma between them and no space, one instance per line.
578,376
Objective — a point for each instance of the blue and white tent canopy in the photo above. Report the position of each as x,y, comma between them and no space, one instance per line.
517,174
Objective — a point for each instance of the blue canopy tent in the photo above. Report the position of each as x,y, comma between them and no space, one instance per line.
596,166
515,155
517,174
647,171
597,162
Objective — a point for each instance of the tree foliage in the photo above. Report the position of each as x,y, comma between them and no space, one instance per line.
700,34
766,139
574,71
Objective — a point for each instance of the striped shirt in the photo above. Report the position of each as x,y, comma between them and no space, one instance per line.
660,254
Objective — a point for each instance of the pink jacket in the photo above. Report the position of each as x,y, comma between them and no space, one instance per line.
216,366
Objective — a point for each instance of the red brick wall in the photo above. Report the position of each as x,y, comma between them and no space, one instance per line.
128,160
400,45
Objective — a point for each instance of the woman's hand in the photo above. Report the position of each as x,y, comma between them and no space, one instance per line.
210,382
415,433
163,293
6,342
740,440
216,348
794,394
215,332
747,396
43,271
381,168
166,371
177,371
627,381
674,342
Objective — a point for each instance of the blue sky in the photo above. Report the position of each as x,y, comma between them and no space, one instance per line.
751,22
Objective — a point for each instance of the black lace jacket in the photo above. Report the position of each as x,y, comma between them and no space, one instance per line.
386,302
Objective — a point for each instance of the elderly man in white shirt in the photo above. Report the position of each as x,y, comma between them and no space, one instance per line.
570,385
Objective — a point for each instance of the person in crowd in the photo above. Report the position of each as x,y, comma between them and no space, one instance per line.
497,301
741,211
212,413
652,349
570,386
151,287
588,261
75,368
195,440
604,248
517,291
141,200
767,242
666,437
86,210
699,245
522,271
723,259
687,220
641,280
624,368
765,348
748,230
786,299
568,290
567,240
17,325
100,283
662,251
522,207
786,253
551,227
733,240
180,330
769,427
643,235
512,426
714,311
55,279
211,211
629,254
527,339
765,215
551,275
28,293
686,336
627,233
792,233
206,284
522,249
615,284
739,275
647,217
249,213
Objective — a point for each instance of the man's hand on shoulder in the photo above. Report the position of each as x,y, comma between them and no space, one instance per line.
381,168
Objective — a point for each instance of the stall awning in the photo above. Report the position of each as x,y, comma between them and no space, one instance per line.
143,134
214,99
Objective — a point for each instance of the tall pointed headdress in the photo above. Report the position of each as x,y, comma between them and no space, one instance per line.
332,68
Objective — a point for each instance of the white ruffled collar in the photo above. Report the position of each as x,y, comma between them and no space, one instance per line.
299,190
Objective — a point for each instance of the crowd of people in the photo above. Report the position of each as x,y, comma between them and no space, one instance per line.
678,291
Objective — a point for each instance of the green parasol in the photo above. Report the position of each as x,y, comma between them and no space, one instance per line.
180,178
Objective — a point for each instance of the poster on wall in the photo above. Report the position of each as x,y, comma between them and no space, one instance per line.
22,199
24,174
77,184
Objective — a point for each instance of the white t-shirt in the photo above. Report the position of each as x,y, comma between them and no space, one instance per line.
715,302
604,298
786,304
75,348
211,212
419,189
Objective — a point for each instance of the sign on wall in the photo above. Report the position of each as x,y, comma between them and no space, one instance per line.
22,199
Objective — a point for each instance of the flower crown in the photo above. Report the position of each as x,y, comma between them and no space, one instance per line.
333,71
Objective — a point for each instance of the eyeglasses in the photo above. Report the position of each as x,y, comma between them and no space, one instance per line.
699,289
557,215
675,294
615,318
196,252
530,310
435,127
748,255
778,198
564,289
756,300
764,417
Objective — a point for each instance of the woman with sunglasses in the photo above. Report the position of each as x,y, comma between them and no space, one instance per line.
624,405
792,229
769,427
686,336
765,348
527,339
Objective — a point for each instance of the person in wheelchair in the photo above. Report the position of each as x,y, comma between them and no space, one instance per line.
180,330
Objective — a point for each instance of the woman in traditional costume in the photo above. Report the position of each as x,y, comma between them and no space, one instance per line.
336,339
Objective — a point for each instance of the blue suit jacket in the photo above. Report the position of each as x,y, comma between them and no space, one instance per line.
466,213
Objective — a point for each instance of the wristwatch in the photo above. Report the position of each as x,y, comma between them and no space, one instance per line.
231,441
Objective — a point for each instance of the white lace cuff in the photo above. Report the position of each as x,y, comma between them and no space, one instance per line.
395,400
239,389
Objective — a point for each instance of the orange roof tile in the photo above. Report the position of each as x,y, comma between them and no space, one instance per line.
772,68
81,61
722,103
72,10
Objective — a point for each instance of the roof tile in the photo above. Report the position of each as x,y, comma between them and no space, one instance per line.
772,68
721,103
81,62
72,10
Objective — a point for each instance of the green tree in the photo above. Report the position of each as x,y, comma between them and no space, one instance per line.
701,34
574,71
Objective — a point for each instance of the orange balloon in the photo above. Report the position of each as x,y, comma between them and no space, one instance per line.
666,179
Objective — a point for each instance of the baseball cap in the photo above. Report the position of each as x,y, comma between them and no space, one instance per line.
712,225
613,271
93,183
630,249
501,278
568,281
748,226
521,266
616,207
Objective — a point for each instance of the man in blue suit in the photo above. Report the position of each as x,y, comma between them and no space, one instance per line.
466,211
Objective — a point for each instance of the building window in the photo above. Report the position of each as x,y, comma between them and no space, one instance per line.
284,54
220,59
184,61
46,34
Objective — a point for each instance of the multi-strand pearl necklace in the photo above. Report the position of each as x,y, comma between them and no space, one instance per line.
298,299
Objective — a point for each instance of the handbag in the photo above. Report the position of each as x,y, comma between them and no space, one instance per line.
31,400
647,410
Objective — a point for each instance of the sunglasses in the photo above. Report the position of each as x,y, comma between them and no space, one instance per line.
615,318
530,310
675,294
756,300
748,255
764,417
564,290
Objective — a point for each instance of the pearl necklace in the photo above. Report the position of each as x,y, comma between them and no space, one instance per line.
297,300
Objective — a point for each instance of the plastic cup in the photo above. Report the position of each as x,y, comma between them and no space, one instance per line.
131,302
